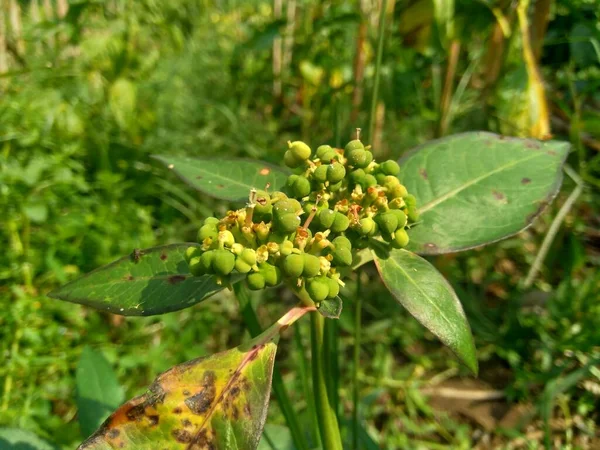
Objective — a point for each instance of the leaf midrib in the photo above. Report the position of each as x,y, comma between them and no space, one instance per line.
217,176
461,188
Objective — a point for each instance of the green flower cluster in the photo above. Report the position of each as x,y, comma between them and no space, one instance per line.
336,203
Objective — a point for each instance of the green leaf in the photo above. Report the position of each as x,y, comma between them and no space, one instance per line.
229,179
122,102
276,437
331,307
13,438
215,402
476,188
98,390
424,292
152,281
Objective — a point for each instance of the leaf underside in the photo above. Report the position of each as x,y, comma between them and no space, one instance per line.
147,282
213,403
426,294
225,179
476,188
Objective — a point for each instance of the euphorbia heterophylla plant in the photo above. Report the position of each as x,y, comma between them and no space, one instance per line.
310,229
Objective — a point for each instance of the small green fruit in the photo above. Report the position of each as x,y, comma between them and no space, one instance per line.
248,255
223,262
326,218
356,176
206,260
271,274
366,226
312,265
286,248
353,145
293,265
191,252
285,206
318,289
368,181
211,221
196,267
400,239
242,266
380,177
227,238
357,158
328,156
388,222
301,187
255,281
336,186
335,172
299,150
322,150
342,242
290,160
402,219
340,223
207,231
390,167
334,288
320,173
342,256
287,223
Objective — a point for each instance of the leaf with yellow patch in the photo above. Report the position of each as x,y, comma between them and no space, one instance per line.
214,403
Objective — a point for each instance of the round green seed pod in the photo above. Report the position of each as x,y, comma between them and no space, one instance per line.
335,172
380,177
287,223
318,289
255,281
293,265
366,226
334,288
390,181
286,248
211,221
400,215
207,231
271,274
369,158
291,179
223,262
362,242
368,181
248,255
411,203
388,222
301,187
206,260
342,242
320,174
227,238
322,150
357,175
340,223
398,191
196,267
357,158
312,265
291,161
191,252
336,186
326,218
400,239
263,206
353,145
242,266
390,167
328,156
342,256
299,150
285,206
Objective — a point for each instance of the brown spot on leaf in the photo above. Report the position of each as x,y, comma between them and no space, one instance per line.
175,279
186,423
423,173
163,256
264,171
498,195
177,410
136,255
113,434
247,410
551,152
235,413
201,402
221,186
531,217
129,277
532,144
199,177
135,413
153,420
182,436
186,392
235,391
526,181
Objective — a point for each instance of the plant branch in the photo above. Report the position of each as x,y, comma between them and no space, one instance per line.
381,28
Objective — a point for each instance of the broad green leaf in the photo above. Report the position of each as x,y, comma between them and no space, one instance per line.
98,390
14,438
152,281
424,292
226,179
476,188
331,308
276,437
218,402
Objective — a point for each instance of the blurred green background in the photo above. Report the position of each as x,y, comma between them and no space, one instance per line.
90,89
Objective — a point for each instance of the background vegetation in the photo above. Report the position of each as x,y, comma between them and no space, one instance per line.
88,90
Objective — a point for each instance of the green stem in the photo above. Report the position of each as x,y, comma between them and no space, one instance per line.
328,424
281,395
381,31
330,351
355,386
